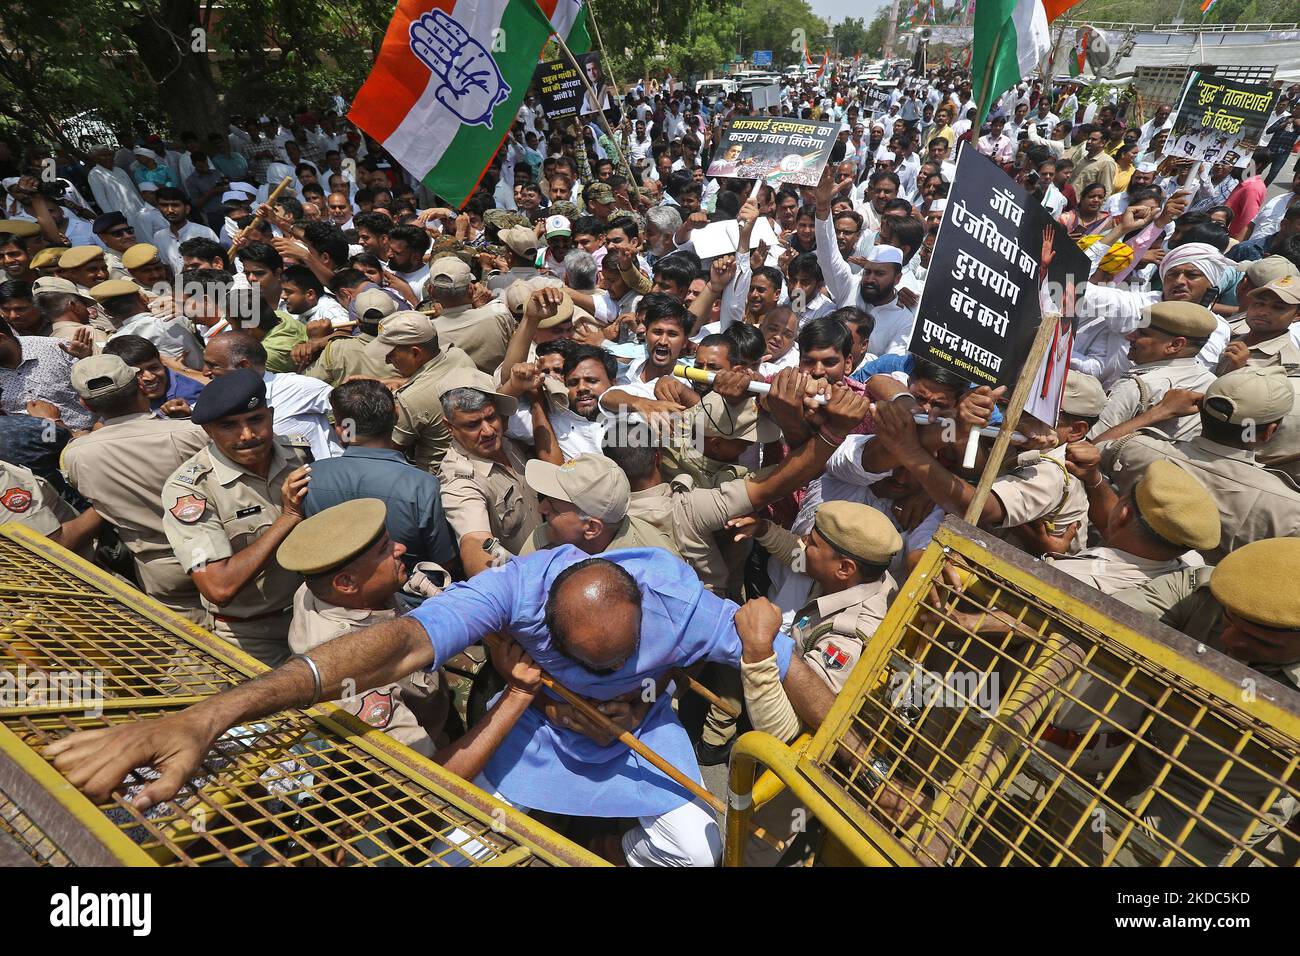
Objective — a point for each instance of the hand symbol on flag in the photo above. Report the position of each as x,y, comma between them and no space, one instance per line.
472,84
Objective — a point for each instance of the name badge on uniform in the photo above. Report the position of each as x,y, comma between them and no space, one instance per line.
248,512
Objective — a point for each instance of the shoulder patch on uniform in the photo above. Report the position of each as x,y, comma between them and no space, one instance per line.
376,708
16,500
189,508
833,658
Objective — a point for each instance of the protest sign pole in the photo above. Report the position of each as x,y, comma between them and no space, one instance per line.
595,98
1011,418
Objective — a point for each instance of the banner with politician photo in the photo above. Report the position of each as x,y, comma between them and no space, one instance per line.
1219,120
562,93
996,251
774,149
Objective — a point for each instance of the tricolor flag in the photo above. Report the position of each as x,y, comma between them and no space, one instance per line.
807,60
1011,39
449,78
1206,5
825,59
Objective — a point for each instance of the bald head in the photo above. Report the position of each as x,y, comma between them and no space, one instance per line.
594,615
233,350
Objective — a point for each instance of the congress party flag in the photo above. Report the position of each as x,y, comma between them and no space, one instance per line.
449,79
1011,39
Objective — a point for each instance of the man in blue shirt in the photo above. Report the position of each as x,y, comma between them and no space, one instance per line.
170,394
608,628
370,467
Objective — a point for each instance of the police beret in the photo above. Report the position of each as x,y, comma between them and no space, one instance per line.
333,538
1082,395
48,258
1257,582
1251,394
859,531
112,288
231,394
1177,507
110,220
1183,318
22,228
139,254
78,256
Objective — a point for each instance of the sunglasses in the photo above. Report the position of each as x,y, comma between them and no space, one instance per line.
122,231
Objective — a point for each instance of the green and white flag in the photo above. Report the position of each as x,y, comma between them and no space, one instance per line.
1011,39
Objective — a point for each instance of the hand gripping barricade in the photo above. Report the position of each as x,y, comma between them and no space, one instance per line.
1005,714
312,787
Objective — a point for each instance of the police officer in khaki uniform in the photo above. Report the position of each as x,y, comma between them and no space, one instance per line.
344,355
1167,514
521,252
28,499
1239,415
482,333
353,573
1163,354
228,508
84,265
585,502
144,263
122,469
1263,335
409,343
1248,607
484,494
691,516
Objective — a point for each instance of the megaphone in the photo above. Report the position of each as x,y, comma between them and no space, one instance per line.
925,33
1098,52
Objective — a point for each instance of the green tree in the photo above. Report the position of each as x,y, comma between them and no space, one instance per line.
782,26
874,43
850,36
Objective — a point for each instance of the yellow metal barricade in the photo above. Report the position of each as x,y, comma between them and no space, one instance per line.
303,787
1005,714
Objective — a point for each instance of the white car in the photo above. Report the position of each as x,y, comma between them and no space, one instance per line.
715,87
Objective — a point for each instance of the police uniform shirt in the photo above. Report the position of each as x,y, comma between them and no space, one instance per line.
1144,385
548,767
1110,570
346,356
28,499
1183,601
1254,503
411,711
831,629
1280,350
213,509
483,333
503,280
173,337
689,516
479,495
420,424
414,498
122,469
1039,486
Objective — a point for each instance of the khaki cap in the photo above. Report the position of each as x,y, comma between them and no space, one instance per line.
449,273
516,294
1286,288
78,256
1284,446
1177,507
48,258
481,382
739,420
112,288
1259,395
56,284
333,538
401,328
1264,271
563,314
1183,318
860,531
1082,395
1257,582
371,301
591,483
22,228
521,240
142,253
99,376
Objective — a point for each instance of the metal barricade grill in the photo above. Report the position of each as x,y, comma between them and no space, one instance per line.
303,787
1005,714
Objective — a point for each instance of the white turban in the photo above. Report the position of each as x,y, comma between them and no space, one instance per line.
1202,255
